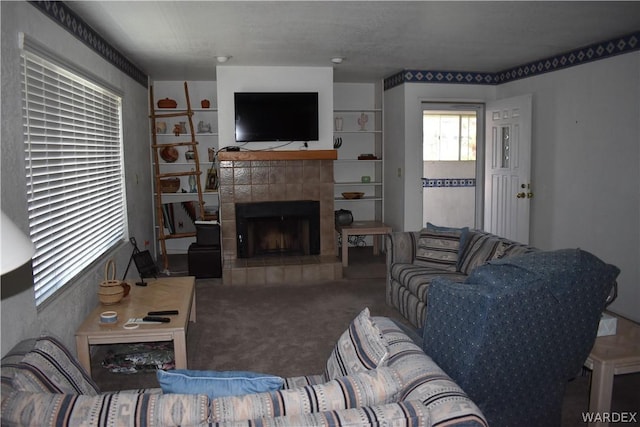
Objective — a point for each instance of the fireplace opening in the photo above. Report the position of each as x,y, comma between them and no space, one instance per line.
284,228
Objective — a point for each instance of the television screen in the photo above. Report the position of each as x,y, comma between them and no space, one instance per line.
276,116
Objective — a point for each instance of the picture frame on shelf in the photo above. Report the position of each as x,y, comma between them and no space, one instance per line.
212,179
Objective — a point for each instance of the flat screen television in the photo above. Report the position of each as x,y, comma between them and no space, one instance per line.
276,116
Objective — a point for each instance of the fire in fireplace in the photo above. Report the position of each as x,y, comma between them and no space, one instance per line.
278,228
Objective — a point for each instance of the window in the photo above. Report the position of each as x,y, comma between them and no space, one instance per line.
74,171
449,135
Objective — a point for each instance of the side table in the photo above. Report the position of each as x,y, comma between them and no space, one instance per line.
165,293
357,228
612,355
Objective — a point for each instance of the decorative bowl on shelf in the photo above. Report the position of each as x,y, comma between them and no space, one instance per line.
167,103
169,185
352,195
169,154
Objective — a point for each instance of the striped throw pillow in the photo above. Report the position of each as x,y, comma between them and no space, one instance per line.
50,368
439,248
360,348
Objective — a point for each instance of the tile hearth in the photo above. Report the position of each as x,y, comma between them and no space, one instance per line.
277,270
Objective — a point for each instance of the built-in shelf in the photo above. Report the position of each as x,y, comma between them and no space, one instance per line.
355,138
358,110
162,135
358,160
352,183
182,110
361,199
355,131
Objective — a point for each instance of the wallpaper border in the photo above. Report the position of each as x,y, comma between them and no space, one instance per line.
602,50
68,19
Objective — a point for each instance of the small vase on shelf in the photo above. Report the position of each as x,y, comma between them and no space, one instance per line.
192,182
362,121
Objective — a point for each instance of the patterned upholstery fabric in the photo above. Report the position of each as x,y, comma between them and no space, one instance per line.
409,414
538,311
49,367
408,278
113,409
10,363
482,247
424,381
378,386
439,249
410,286
401,247
360,348
302,381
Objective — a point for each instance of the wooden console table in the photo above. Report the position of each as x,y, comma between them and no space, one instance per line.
361,228
612,355
165,293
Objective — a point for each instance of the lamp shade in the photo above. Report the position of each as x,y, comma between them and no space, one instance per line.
17,249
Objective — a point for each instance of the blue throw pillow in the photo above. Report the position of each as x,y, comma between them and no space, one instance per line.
217,383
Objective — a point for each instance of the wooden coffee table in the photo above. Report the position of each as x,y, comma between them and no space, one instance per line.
361,228
612,355
166,293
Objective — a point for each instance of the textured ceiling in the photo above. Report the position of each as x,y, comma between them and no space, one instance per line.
174,40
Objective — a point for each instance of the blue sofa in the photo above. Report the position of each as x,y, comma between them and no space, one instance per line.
517,330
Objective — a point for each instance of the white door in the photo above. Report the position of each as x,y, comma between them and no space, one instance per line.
508,189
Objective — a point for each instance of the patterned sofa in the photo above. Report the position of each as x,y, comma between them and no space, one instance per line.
415,258
376,375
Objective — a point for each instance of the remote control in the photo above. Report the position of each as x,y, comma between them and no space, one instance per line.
162,313
156,319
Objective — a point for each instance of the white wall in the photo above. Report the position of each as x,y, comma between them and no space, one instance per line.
586,165
233,79
394,158
63,315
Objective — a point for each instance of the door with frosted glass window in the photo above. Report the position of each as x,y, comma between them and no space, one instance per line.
508,189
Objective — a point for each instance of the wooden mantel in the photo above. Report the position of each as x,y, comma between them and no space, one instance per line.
278,155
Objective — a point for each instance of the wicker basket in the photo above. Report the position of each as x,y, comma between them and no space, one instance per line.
169,185
111,290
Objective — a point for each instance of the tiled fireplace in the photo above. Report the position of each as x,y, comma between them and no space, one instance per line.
278,176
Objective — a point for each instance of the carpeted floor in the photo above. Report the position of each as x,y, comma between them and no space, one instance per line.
290,330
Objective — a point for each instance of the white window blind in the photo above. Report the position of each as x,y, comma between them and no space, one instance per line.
74,171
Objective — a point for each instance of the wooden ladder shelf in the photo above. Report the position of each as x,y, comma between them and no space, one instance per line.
192,145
